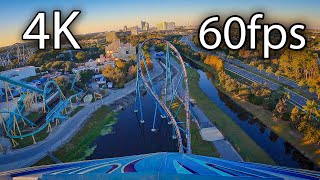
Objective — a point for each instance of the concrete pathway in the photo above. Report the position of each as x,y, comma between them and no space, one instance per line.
211,134
226,150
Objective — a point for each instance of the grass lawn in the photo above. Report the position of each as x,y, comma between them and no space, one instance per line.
77,109
198,145
79,146
27,141
247,148
33,116
44,161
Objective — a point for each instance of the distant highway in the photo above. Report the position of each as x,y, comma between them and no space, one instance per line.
232,65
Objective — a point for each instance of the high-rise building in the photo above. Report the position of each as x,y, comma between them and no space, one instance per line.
161,26
170,26
134,30
143,25
125,28
166,26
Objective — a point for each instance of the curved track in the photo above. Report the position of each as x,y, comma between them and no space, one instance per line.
160,105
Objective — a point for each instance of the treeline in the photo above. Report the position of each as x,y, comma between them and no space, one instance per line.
254,93
61,59
136,39
185,49
88,53
301,66
58,65
47,60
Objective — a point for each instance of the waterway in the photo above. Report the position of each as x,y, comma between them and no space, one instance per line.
130,137
283,153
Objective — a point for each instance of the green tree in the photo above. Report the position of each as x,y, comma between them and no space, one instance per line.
82,56
311,108
301,83
62,81
244,94
311,90
85,76
318,93
295,116
280,109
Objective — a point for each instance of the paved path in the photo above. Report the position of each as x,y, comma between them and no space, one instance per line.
63,133
234,66
211,134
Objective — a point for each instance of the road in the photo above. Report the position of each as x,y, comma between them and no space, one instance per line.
234,66
280,79
63,133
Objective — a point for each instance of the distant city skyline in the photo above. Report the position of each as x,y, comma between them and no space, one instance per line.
99,16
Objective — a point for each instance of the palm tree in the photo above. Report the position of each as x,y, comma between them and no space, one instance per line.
269,70
278,73
287,96
260,67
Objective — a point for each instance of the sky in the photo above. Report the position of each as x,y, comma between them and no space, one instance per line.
106,15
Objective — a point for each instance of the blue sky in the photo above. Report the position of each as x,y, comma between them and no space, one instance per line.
99,15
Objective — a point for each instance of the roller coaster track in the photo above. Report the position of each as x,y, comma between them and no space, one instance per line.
18,51
21,84
160,105
162,165
54,113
